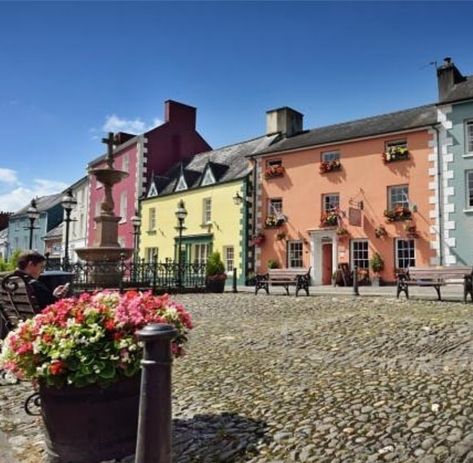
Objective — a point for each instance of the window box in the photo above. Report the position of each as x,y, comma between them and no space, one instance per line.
399,213
273,221
274,171
396,153
329,219
330,166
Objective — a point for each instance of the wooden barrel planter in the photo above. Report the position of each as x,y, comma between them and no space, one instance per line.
90,424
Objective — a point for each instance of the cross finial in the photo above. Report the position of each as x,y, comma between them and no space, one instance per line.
109,141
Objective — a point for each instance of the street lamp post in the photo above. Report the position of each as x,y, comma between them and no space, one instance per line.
136,222
68,203
32,214
181,215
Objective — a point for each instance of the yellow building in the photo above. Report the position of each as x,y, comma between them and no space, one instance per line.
215,188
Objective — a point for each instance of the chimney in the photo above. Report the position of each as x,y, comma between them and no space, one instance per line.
179,113
286,121
447,76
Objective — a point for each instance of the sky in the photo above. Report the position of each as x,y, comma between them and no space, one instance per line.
72,71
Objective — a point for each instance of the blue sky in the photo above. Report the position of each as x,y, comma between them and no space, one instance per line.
71,71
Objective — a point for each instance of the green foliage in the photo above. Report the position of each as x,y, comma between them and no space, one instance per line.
10,265
377,263
273,263
214,264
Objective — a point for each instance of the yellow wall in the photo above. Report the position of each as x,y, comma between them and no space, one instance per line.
226,223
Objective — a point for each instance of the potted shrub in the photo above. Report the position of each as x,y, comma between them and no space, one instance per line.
84,357
216,276
377,265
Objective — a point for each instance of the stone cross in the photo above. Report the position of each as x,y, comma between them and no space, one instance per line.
110,142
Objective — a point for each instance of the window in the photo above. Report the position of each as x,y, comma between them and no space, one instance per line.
405,253
229,257
359,254
274,163
209,178
123,206
396,144
275,206
207,211
200,254
152,219
181,184
294,254
398,196
151,254
81,225
330,202
328,156
126,162
469,136
469,189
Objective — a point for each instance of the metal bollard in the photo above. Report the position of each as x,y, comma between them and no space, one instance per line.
355,281
235,280
154,438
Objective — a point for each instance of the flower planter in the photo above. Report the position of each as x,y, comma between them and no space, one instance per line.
90,424
398,214
401,154
330,166
215,285
273,172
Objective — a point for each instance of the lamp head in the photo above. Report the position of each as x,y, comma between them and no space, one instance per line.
181,212
68,202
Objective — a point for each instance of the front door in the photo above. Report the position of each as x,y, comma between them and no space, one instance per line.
327,268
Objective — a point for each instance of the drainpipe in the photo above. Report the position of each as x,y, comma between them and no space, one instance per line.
440,193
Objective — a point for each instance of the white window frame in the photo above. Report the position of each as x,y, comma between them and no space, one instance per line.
333,155
355,258
207,211
328,201
469,136
412,258
275,206
402,143
291,253
123,206
200,253
397,191
152,219
126,162
229,258
209,178
150,252
181,184
469,189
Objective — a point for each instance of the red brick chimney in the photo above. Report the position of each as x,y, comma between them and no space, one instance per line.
180,113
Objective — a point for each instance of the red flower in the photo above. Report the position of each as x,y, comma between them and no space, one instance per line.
109,325
57,367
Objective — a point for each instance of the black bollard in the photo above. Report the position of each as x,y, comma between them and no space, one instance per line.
355,281
235,280
154,439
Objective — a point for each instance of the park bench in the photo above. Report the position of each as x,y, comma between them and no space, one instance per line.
17,301
298,277
436,277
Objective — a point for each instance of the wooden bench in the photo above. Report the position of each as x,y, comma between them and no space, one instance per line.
298,277
436,277
17,301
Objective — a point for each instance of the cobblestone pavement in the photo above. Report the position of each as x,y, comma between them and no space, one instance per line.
324,379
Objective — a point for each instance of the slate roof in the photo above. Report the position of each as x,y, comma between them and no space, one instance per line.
227,163
55,232
460,91
43,204
392,122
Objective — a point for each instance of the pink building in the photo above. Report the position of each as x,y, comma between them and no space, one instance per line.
151,153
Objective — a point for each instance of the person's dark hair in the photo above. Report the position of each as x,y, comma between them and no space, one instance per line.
29,256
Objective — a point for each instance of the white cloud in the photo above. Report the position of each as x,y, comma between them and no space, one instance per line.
136,126
8,175
20,196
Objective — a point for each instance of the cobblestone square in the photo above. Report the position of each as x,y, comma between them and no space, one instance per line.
324,379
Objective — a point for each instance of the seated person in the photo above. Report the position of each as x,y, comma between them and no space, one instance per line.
30,265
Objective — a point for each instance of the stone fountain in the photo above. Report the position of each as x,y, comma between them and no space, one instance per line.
106,248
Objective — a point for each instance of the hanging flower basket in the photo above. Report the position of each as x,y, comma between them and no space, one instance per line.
281,236
380,232
411,230
397,214
273,171
330,166
257,239
396,153
342,232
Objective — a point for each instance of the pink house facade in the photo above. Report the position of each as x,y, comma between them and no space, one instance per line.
144,155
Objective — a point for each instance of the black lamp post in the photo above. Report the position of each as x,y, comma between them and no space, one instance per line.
181,215
136,222
32,214
68,202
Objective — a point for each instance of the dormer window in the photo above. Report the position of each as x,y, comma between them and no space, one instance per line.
153,191
181,184
209,178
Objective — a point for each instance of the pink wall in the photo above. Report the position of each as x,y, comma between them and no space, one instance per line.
364,177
